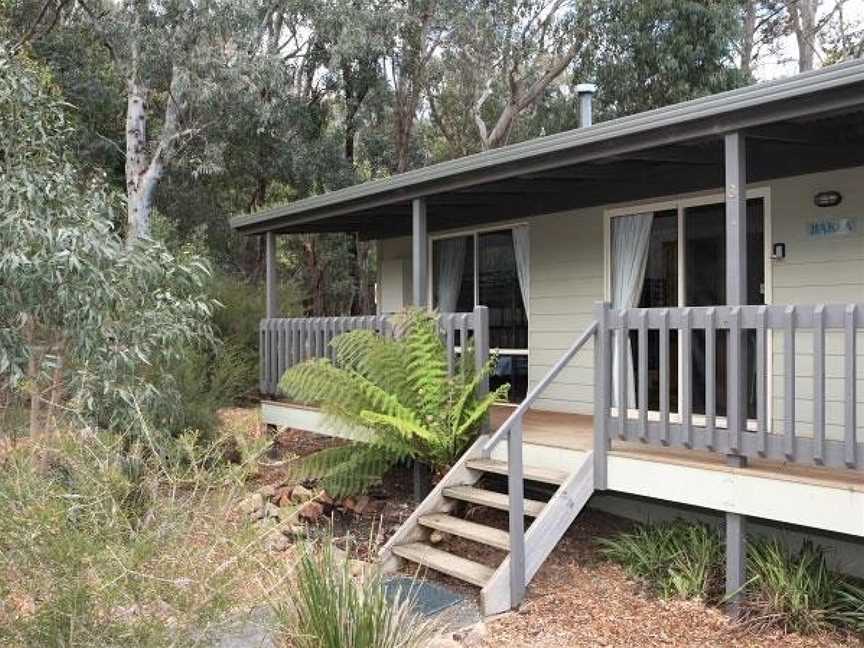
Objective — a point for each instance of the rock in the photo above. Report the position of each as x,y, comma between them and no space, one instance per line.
472,636
443,642
278,542
311,511
267,491
295,531
300,494
271,510
251,504
326,500
436,537
359,568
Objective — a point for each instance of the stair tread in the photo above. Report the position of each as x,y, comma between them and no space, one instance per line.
491,499
473,531
545,475
445,562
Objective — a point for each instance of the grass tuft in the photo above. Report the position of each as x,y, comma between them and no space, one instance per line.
676,559
331,608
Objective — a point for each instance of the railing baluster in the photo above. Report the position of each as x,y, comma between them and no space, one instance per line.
819,384
685,398
789,391
849,439
761,381
450,342
622,343
262,356
711,378
281,361
515,490
643,375
735,400
664,376
602,354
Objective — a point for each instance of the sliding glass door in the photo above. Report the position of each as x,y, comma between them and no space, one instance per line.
481,268
685,265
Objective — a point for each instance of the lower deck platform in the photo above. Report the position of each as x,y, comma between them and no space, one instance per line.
809,496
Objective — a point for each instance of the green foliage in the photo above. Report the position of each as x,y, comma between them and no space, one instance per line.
108,545
796,592
69,288
653,53
329,608
849,607
397,389
677,559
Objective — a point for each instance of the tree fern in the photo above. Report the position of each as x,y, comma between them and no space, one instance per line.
397,390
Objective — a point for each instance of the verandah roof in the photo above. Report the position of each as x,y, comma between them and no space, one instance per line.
807,123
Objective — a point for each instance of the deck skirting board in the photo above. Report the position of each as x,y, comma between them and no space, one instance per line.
805,504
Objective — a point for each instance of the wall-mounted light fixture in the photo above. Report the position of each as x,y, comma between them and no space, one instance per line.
827,198
778,251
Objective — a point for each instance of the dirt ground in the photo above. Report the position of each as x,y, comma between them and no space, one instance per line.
576,599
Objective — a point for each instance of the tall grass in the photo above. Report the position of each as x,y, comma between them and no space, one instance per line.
796,592
676,559
105,544
330,608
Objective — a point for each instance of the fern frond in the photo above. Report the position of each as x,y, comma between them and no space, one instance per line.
343,470
481,408
407,428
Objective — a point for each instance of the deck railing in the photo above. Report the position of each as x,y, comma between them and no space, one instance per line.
813,410
288,341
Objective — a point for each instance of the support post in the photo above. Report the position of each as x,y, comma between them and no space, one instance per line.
736,560
272,277
735,155
419,252
602,351
516,493
481,345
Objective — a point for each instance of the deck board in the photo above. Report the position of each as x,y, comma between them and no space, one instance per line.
575,432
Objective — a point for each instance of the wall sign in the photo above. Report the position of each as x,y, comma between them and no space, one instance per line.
833,227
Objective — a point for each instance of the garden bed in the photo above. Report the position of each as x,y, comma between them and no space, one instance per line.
578,598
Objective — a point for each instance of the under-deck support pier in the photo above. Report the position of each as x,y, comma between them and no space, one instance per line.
736,560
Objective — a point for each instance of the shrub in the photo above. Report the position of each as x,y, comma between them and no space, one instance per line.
330,608
676,559
849,608
399,391
796,592
108,546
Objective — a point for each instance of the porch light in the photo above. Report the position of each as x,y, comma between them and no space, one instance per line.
827,198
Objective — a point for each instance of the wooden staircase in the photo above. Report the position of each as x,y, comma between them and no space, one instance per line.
437,513
501,587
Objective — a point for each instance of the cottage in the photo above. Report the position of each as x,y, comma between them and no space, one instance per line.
677,298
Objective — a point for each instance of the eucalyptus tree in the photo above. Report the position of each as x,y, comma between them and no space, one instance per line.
81,314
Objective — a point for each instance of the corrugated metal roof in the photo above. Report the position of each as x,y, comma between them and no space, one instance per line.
836,87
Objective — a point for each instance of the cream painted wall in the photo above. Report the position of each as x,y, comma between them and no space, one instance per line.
567,279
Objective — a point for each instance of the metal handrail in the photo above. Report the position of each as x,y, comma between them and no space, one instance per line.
519,412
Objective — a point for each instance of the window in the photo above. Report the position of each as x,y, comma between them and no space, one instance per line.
481,268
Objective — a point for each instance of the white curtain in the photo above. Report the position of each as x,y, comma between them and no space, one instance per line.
521,251
451,264
631,236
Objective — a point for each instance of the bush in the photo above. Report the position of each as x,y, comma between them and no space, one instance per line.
330,608
676,559
108,546
797,592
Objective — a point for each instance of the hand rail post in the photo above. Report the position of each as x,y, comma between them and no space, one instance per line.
480,323
516,496
602,352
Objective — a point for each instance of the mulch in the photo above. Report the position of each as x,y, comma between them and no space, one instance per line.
577,598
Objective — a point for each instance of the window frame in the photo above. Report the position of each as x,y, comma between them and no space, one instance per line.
474,233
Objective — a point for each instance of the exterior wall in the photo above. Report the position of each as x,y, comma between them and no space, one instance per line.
394,275
567,269
817,271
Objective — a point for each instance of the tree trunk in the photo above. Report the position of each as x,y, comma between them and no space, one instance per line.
748,38
802,15
139,188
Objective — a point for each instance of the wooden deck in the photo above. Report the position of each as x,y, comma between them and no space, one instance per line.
576,432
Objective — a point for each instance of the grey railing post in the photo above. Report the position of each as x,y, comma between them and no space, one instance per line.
272,277
515,489
602,351
481,344
419,252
